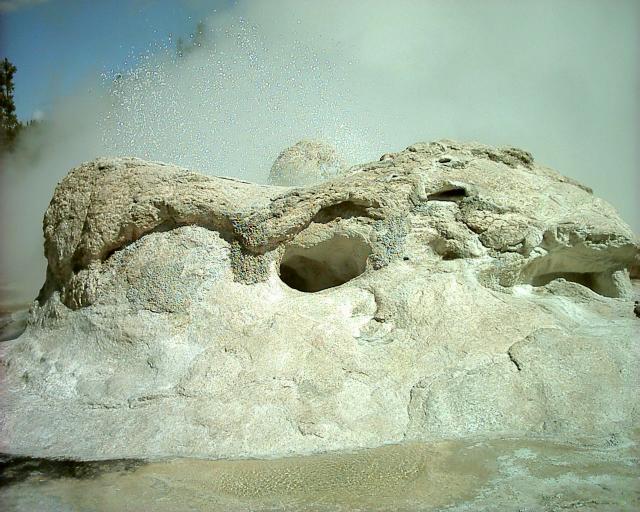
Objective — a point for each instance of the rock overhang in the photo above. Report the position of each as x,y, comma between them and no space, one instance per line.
465,201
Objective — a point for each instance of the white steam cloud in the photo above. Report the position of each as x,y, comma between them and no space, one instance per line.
559,79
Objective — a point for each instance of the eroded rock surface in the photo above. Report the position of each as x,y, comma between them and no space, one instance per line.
448,290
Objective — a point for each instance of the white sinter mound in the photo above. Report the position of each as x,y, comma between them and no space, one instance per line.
448,290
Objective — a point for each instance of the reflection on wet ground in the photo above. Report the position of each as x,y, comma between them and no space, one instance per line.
518,475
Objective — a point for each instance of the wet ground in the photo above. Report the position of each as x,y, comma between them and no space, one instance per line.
13,321
509,475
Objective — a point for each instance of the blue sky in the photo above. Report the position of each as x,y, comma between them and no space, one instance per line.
56,44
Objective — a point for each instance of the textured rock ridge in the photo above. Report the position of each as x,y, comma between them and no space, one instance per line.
447,290
526,216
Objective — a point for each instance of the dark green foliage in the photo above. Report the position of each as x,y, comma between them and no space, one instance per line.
10,127
9,124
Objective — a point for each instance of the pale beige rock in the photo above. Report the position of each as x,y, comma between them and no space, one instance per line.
307,162
448,290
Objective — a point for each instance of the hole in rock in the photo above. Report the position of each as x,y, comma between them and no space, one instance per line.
583,278
451,194
324,265
600,282
343,210
577,265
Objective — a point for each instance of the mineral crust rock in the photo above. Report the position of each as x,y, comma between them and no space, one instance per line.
448,290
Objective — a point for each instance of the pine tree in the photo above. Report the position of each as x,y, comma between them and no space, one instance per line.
9,124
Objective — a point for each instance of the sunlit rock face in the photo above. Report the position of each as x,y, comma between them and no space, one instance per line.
448,290
307,162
